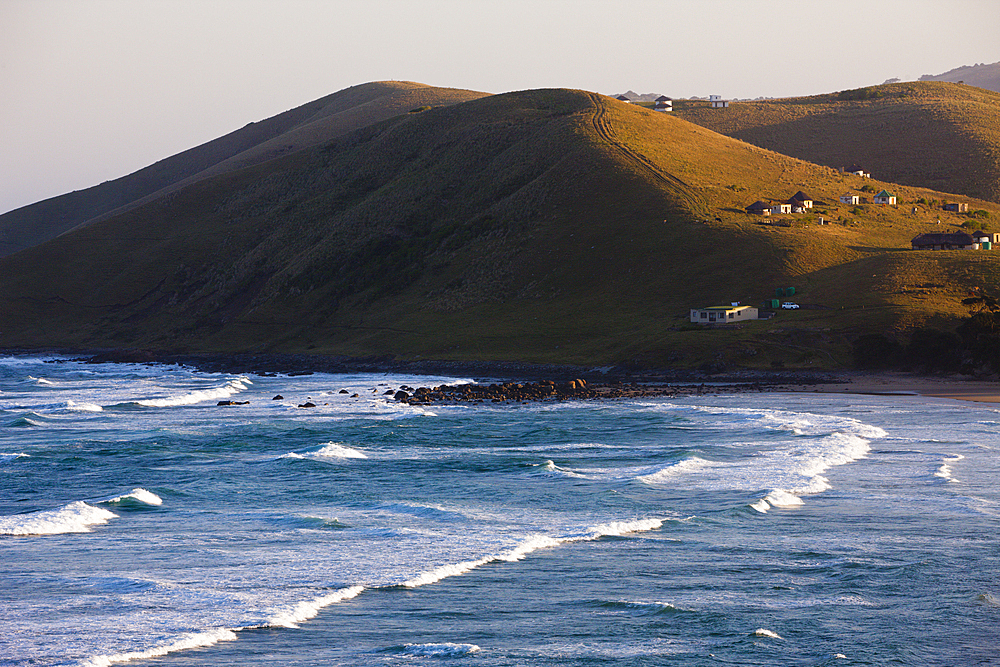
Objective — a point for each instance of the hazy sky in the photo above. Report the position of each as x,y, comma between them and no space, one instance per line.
91,90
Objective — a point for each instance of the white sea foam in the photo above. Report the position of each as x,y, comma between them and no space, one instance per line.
944,471
764,632
446,650
686,466
330,450
303,611
83,407
76,517
8,457
530,544
139,494
199,396
41,381
188,641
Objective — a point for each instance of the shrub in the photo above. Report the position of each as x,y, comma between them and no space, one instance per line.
875,351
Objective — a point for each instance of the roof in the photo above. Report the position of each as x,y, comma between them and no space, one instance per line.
623,98
956,238
801,196
850,194
885,193
758,204
663,98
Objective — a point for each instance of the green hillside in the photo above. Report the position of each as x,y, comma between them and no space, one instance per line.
545,226
305,126
944,136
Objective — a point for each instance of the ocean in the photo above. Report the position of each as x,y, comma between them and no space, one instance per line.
143,524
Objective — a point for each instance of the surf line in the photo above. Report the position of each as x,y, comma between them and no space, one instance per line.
308,609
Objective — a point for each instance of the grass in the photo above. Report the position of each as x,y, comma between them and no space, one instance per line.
938,135
547,226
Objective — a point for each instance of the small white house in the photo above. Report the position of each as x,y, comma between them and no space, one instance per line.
781,207
622,98
716,102
850,198
885,197
723,314
663,103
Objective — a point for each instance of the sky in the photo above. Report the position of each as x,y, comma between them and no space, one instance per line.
91,90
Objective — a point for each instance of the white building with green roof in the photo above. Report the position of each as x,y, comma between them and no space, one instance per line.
885,197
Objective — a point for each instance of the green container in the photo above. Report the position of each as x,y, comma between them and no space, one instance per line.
779,292
986,245
772,303
789,291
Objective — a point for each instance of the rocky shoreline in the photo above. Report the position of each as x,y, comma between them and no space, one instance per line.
550,390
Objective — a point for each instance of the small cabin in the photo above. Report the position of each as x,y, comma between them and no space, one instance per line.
723,314
716,102
622,98
850,198
663,103
954,241
781,207
986,237
858,171
758,208
885,197
957,207
802,199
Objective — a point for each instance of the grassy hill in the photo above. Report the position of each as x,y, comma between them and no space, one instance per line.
308,125
943,136
982,75
545,226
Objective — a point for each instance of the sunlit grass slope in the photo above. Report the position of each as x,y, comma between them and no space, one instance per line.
944,136
305,126
544,226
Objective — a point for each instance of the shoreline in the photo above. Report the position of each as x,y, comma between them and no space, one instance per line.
606,382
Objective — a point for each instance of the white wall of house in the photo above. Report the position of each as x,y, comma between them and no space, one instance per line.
723,315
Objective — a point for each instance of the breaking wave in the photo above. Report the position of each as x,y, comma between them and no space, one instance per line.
76,517
330,450
199,396
530,544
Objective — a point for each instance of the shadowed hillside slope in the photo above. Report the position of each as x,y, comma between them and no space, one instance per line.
308,125
546,226
943,136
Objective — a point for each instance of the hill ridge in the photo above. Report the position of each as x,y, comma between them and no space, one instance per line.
308,124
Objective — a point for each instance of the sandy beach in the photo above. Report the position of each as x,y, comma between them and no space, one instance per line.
905,384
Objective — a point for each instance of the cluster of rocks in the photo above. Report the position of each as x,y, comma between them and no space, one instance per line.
549,390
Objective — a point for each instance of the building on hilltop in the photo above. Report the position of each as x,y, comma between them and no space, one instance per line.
781,207
758,208
723,314
663,103
850,198
716,102
885,197
957,207
857,171
622,98
954,241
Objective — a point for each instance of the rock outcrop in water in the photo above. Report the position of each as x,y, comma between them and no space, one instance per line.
549,390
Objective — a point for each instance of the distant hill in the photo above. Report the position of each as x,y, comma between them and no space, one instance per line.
981,75
546,226
308,125
943,136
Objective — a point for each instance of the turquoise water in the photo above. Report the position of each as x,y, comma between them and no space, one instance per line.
141,523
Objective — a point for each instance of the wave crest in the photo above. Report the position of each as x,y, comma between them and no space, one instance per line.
76,517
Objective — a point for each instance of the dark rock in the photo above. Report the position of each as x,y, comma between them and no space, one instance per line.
401,395
233,403
279,397
308,404
343,391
